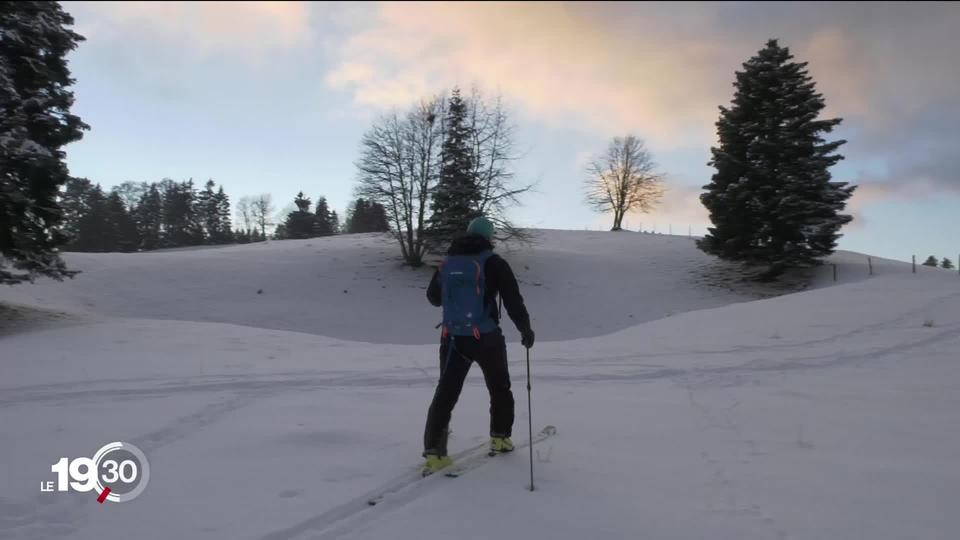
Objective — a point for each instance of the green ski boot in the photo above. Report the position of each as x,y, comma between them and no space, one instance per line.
435,463
500,445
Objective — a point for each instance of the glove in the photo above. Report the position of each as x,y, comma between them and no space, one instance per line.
527,338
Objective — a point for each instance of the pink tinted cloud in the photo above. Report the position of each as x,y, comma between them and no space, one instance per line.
653,70
244,30
555,61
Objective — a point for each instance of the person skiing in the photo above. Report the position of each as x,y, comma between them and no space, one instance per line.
466,285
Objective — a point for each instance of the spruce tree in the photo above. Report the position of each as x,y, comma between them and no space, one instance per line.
771,200
355,216
947,263
334,224
222,205
120,229
35,125
322,223
209,214
300,223
377,218
74,204
182,225
931,261
92,228
194,218
457,195
149,218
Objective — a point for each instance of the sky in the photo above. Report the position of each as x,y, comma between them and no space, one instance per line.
273,97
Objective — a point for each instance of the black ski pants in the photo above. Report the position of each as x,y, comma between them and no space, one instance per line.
490,353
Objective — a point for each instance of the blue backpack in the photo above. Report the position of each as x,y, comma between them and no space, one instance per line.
463,287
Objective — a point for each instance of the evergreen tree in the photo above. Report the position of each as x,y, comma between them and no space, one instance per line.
355,216
149,218
208,213
174,212
377,218
35,124
334,224
947,263
300,223
322,223
92,233
222,203
120,230
74,204
365,216
771,200
182,225
457,195
194,218
931,261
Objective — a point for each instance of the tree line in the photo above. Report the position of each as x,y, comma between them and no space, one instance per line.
141,217
362,217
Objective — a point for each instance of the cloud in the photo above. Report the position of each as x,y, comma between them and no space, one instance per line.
660,71
248,31
557,62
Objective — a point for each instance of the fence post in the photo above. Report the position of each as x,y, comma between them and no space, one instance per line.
834,272
914,264
870,264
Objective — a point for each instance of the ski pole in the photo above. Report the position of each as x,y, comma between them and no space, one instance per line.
530,418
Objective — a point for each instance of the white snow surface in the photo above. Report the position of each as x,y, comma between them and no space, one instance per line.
353,287
825,414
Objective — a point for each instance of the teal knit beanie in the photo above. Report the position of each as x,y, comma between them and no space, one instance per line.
482,227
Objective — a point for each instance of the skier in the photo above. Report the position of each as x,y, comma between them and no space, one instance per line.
466,285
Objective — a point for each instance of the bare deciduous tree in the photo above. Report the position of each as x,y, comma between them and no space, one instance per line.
623,180
244,214
400,162
398,168
261,208
131,192
493,149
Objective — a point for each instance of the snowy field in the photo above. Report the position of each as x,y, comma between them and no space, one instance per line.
353,287
684,410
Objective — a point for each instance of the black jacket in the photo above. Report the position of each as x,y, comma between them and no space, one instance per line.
499,280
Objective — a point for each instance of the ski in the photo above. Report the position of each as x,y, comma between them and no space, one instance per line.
466,465
464,461
404,481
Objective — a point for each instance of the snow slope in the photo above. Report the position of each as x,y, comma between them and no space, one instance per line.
577,284
830,413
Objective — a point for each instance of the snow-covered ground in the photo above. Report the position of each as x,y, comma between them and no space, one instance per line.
831,413
577,284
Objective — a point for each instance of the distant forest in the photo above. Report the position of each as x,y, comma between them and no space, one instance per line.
140,216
